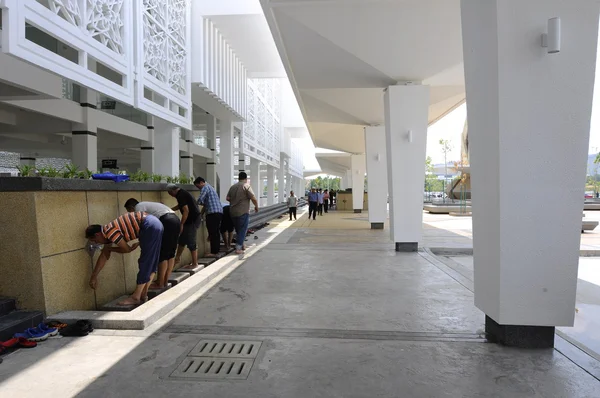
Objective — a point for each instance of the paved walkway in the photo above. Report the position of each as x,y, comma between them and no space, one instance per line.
327,309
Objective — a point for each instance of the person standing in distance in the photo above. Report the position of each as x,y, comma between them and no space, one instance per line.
211,206
292,203
239,197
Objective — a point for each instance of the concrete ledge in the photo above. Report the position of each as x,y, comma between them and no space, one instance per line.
459,214
357,211
591,206
25,184
407,247
589,225
446,208
177,277
376,225
148,313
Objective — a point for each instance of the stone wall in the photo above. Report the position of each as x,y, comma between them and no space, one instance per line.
44,264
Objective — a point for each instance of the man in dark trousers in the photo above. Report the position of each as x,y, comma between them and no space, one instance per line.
313,203
190,221
171,227
211,206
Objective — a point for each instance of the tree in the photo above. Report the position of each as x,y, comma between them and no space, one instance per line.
446,148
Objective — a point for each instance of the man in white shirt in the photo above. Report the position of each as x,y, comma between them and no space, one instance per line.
172,227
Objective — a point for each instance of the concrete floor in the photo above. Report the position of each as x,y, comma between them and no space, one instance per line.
337,313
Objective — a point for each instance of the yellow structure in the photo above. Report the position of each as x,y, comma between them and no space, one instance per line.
44,262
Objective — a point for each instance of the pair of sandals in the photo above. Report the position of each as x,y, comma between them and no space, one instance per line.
39,333
80,328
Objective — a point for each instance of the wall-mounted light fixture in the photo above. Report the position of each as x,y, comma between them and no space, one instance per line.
409,136
378,157
551,40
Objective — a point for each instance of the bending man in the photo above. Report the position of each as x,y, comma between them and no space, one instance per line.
168,246
131,226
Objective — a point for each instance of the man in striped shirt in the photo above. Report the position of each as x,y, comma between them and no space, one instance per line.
115,237
211,206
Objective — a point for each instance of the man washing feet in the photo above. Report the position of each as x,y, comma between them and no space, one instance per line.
128,227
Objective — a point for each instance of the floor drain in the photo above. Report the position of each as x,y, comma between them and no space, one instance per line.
226,349
210,368
218,360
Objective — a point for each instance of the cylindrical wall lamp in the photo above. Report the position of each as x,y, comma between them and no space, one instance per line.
552,39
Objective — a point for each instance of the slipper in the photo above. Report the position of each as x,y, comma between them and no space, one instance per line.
42,327
56,325
20,341
33,334
84,324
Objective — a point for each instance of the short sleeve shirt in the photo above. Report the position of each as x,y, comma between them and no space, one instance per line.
184,198
126,227
239,198
156,209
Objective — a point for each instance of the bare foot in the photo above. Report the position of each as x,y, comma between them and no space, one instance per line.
145,299
130,301
210,255
155,286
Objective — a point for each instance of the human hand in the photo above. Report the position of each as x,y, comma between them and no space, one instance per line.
93,282
181,229
135,246
256,209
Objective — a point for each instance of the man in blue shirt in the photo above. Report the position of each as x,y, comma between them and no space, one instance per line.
211,206
313,203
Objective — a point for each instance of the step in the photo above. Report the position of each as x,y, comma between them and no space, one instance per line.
6,306
17,322
205,261
155,292
113,306
191,269
177,277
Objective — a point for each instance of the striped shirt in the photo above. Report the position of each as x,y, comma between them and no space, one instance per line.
125,227
210,199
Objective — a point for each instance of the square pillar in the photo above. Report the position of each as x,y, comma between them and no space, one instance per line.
147,152
359,168
211,164
85,148
225,158
529,123
406,119
187,156
166,144
255,181
376,159
281,179
270,185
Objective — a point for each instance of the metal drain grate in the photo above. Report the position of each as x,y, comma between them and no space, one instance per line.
226,349
208,368
218,360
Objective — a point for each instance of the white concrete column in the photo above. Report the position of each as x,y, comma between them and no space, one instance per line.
27,160
166,145
147,151
211,164
281,179
406,118
226,157
255,181
376,158
359,168
529,123
187,156
85,148
349,179
270,185
343,183
288,184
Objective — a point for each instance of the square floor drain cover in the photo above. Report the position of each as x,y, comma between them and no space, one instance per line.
226,349
210,368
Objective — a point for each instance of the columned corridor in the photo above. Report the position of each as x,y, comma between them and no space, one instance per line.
334,310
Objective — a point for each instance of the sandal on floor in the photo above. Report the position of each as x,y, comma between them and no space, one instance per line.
56,325
42,327
33,334
17,342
